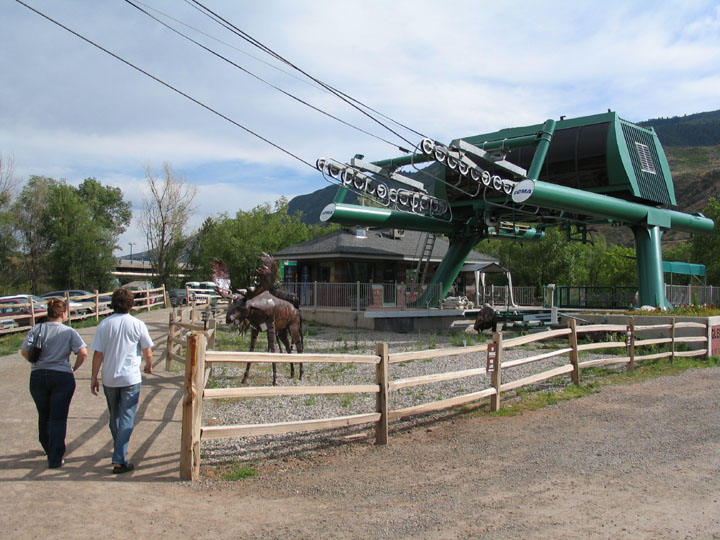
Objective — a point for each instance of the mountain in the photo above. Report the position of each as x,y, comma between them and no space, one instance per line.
313,203
700,129
691,143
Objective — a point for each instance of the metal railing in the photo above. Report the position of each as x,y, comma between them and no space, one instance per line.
499,295
362,296
683,295
625,297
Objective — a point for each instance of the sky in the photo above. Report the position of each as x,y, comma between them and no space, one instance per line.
444,70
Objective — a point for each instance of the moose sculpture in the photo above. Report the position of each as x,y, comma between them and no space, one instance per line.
262,308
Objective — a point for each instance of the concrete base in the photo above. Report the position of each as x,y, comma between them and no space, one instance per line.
388,321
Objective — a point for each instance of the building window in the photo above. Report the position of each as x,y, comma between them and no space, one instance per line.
325,272
646,162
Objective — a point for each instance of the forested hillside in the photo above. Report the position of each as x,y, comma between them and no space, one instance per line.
700,129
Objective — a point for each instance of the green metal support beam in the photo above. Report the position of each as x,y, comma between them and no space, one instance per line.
649,261
368,216
555,197
451,264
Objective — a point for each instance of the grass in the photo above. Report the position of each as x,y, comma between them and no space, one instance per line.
422,345
235,471
11,343
591,380
461,339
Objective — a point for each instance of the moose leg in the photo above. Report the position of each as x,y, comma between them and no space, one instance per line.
298,341
253,340
282,336
271,347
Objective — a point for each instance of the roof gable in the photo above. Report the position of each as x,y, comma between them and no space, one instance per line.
378,243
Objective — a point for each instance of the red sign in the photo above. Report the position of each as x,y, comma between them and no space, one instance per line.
715,340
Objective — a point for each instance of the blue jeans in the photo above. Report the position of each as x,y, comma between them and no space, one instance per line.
52,391
122,404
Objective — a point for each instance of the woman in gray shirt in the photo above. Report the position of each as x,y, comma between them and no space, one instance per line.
52,383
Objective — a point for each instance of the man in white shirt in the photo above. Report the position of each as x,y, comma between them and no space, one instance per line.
120,343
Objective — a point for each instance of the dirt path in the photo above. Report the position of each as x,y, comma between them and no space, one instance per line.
639,461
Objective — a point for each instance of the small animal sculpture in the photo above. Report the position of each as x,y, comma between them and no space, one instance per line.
486,319
261,311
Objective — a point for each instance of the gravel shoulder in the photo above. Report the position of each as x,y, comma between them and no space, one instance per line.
635,461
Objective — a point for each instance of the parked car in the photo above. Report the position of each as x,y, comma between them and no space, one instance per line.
204,291
178,297
83,307
7,323
17,308
139,291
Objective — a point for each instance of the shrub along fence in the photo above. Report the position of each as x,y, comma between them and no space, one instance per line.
199,357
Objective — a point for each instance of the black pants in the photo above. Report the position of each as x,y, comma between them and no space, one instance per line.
52,391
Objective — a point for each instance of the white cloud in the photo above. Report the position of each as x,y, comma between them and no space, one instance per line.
445,69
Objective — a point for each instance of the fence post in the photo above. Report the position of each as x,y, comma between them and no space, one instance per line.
672,342
314,295
357,295
192,407
166,297
212,328
147,298
68,311
382,399
170,345
573,339
708,339
496,377
630,341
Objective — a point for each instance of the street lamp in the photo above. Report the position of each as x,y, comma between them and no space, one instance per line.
131,255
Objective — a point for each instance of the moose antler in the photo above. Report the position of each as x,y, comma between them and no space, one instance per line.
221,277
267,272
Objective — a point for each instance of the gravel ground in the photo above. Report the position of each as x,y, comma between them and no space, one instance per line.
321,339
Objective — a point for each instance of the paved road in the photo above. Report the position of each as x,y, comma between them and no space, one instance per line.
155,443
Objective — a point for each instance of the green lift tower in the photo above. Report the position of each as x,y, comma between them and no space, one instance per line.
516,182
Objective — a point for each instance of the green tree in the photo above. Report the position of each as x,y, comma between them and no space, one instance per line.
83,234
619,267
198,260
555,259
8,237
240,241
68,234
31,213
107,206
705,249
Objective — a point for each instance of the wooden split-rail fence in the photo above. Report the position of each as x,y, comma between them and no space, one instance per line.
94,305
199,358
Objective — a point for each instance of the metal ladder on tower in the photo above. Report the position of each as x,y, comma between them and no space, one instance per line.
424,261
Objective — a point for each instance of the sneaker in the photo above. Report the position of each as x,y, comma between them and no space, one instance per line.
125,467
62,462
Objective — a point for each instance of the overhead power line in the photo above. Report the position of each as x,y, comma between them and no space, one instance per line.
350,101
257,77
168,85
